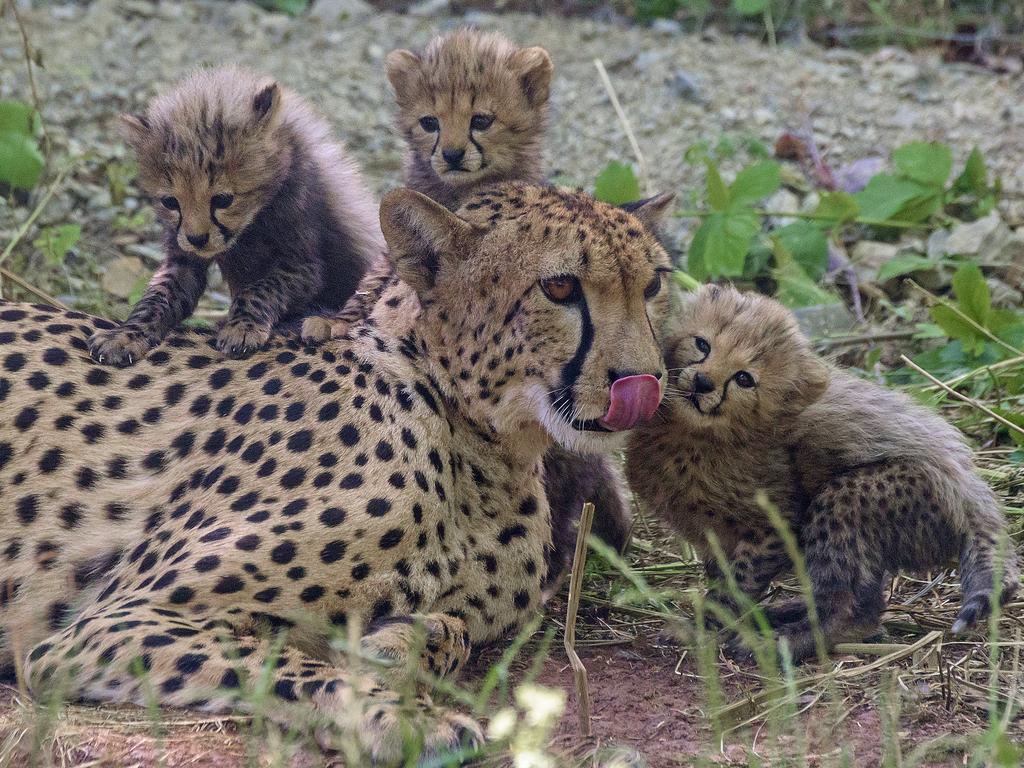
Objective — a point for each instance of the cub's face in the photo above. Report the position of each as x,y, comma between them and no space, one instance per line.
471,106
738,363
547,308
207,156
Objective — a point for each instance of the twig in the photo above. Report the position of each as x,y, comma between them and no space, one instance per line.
864,338
641,163
36,103
32,289
964,398
579,671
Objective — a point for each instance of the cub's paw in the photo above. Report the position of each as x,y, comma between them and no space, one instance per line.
240,338
121,346
452,734
316,329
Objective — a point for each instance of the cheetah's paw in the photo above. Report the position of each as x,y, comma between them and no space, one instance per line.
121,346
240,338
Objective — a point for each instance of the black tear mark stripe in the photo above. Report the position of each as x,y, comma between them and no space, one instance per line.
225,233
571,370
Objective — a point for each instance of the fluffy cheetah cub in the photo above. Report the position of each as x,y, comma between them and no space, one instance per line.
869,481
243,173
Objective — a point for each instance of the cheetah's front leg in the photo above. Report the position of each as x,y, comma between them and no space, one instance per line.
127,650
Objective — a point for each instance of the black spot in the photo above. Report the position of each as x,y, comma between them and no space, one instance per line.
349,435
300,441
511,532
378,507
391,538
294,411
228,585
293,478
248,542
207,563
384,451
14,362
333,551
360,571
283,553
329,412
351,480
27,508
26,418
529,506
332,516
220,378
311,593
181,595
190,663
51,460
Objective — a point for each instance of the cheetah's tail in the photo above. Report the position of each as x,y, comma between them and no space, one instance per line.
985,555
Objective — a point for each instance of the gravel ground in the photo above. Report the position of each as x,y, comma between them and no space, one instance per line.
107,56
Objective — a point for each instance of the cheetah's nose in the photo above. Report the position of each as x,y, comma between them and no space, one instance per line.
198,240
702,383
453,156
633,399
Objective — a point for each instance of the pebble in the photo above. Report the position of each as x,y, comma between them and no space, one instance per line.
122,275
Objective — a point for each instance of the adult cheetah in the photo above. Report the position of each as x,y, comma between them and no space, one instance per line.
159,519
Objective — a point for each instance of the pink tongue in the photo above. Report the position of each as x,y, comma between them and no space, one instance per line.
634,399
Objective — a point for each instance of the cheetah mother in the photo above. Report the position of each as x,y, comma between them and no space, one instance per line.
161,525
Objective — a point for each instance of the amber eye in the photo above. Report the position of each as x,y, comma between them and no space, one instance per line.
430,124
744,379
653,287
564,289
702,345
171,203
481,122
223,200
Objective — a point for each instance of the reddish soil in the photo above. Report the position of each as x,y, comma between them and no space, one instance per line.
643,699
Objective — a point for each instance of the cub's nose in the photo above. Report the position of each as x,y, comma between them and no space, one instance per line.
453,156
198,240
702,383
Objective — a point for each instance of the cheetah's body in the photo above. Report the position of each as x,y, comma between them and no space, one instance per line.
152,513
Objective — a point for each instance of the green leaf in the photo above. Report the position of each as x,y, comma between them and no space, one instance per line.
55,242
807,244
647,10
795,287
959,329
21,162
973,180
685,281
904,265
840,206
291,7
749,7
720,246
755,182
18,117
972,293
1017,418
718,193
926,162
617,184
885,196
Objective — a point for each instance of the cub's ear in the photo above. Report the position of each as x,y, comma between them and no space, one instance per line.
652,210
534,67
402,67
421,235
133,128
814,380
266,103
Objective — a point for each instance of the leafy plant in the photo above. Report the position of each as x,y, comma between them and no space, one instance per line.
617,184
21,159
56,241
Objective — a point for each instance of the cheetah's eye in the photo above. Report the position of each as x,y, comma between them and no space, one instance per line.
564,289
744,379
702,345
430,124
171,203
223,200
481,122
653,287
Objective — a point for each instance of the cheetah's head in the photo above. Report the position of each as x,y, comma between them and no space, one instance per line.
739,363
541,307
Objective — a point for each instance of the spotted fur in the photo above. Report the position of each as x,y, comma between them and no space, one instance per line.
870,481
245,174
165,518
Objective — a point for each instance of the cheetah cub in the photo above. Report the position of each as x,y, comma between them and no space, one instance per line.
869,481
245,174
472,108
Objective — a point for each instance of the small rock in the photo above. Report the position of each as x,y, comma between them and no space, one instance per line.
666,26
335,11
783,201
646,59
938,244
870,253
1003,295
686,87
824,320
985,236
147,253
122,275
429,8
763,116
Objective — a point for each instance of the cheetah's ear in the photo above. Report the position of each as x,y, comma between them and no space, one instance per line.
266,103
134,129
651,210
422,236
402,67
534,67
814,380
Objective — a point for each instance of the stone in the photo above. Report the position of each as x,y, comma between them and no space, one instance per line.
1003,295
122,275
666,26
686,87
429,8
824,320
983,237
339,11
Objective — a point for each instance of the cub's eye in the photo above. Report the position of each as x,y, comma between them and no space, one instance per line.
223,200
171,203
430,124
702,345
744,379
653,287
481,122
561,290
